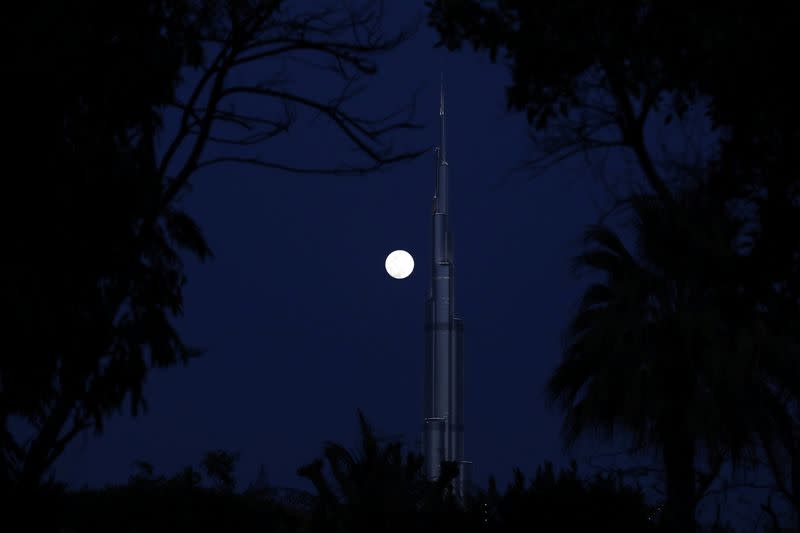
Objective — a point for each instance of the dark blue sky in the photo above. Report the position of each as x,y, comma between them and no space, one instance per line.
301,323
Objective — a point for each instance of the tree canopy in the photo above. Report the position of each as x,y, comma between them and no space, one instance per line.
598,76
95,233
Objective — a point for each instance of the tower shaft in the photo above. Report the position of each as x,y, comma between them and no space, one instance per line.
443,426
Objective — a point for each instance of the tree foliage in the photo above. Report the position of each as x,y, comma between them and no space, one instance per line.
562,501
183,502
594,72
378,488
661,348
91,286
594,75
370,489
95,233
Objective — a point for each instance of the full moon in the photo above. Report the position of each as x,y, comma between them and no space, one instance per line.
399,264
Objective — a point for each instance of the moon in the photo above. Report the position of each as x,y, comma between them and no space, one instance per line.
399,264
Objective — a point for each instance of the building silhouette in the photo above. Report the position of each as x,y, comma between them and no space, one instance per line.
443,417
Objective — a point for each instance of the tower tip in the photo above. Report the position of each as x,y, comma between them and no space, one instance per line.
441,94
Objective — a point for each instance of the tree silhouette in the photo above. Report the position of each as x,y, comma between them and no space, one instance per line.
96,236
373,487
597,76
182,502
91,287
218,466
661,347
590,75
555,502
377,488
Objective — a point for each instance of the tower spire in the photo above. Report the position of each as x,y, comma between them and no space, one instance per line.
440,194
441,95
443,129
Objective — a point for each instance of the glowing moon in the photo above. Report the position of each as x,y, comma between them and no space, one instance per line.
399,264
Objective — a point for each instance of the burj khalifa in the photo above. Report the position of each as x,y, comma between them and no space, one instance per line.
443,425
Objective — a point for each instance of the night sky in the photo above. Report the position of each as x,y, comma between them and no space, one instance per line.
303,326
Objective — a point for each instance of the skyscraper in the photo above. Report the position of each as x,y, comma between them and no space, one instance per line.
443,425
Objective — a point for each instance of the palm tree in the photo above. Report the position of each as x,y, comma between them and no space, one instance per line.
661,348
377,488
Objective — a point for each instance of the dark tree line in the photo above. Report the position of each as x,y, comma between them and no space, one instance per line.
375,487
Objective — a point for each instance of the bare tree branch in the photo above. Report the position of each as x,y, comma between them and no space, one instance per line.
605,106
352,127
59,446
349,34
251,42
342,170
190,112
632,128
